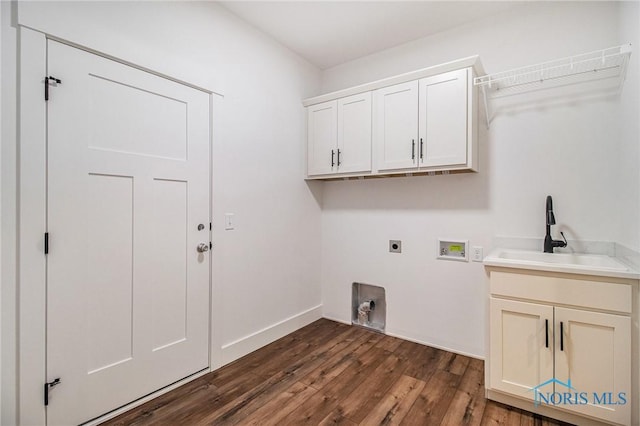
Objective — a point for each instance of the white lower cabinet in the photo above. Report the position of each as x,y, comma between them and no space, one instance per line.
595,353
521,346
567,358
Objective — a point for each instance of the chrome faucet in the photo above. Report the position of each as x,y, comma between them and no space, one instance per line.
549,242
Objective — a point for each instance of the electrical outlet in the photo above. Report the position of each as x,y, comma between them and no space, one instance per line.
476,254
395,246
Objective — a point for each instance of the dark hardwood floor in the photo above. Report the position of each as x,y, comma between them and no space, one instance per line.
330,373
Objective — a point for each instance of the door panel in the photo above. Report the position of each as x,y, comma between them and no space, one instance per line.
443,119
169,307
595,355
396,126
110,219
322,137
111,129
128,183
520,358
354,133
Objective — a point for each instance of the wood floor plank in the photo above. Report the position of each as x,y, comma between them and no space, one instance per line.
499,414
235,411
424,362
389,343
396,403
316,408
341,360
329,373
431,405
255,359
280,406
335,418
366,396
285,357
468,404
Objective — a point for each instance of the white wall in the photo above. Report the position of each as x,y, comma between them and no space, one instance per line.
584,153
629,157
8,222
2,12
267,270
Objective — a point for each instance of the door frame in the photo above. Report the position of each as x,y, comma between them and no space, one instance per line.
32,222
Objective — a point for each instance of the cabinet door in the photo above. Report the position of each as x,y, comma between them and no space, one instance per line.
354,133
595,354
396,126
443,119
322,135
521,346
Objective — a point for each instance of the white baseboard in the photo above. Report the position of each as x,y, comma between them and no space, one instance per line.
245,345
444,348
336,319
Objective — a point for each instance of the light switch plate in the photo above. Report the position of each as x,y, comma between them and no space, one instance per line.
229,223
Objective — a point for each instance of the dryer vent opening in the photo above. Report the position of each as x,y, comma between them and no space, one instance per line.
369,307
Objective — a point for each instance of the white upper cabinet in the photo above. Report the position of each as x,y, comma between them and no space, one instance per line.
354,134
425,124
419,122
339,136
322,138
396,126
444,119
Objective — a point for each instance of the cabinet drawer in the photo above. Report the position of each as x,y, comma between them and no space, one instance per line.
582,292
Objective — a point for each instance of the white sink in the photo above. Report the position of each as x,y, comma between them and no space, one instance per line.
594,264
583,260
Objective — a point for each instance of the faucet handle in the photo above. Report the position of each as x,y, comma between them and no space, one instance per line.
565,240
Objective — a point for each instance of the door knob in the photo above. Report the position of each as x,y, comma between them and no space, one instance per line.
202,247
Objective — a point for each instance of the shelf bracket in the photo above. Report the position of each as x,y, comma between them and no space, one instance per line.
486,106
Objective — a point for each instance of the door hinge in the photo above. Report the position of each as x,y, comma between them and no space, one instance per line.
46,85
210,226
48,386
210,245
46,243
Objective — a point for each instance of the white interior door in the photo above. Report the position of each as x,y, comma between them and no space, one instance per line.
128,184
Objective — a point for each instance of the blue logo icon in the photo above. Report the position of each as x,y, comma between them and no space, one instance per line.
565,394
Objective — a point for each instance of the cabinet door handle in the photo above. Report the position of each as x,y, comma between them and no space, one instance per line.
338,158
546,333
413,149
561,336
421,150
333,153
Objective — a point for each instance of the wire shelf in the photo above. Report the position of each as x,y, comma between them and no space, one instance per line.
607,63
613,58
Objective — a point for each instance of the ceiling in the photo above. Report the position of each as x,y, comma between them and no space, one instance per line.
329,33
